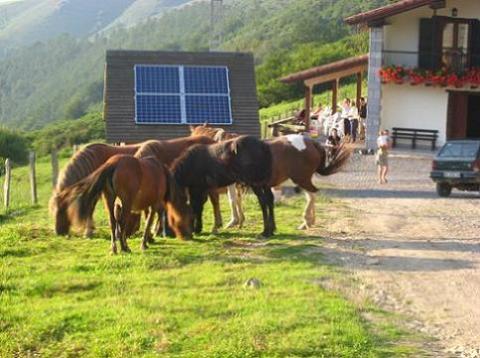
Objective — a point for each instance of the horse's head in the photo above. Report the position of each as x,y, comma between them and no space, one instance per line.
180,214
59,210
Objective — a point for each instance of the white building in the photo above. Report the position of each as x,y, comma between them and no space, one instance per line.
428,35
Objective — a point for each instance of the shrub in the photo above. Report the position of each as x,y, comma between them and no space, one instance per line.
13,145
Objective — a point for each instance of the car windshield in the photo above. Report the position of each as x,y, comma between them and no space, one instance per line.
460,150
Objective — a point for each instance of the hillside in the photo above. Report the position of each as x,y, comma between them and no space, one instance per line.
28,21
63,78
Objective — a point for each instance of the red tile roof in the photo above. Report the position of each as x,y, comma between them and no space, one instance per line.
389,10
331,68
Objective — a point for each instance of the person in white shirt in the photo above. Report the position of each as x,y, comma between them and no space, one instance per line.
383,144
346,107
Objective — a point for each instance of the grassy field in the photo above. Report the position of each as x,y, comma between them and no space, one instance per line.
68,297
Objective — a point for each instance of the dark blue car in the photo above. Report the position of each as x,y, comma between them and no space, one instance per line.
457,165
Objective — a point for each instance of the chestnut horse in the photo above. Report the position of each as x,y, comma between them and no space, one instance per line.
245,160
92,156
141,184
293,157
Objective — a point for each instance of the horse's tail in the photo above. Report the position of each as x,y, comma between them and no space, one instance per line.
82,197
341,157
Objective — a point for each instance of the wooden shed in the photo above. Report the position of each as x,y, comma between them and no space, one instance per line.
126,100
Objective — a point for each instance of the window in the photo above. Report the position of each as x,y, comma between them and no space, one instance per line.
166,94
455,44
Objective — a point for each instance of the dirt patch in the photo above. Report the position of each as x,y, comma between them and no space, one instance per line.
413,252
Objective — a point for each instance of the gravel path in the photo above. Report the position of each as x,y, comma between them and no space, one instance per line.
414,253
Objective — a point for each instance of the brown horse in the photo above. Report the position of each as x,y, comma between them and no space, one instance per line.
91,157
140,184
297,158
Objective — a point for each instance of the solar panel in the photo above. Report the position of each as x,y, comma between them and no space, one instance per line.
211,109
166,94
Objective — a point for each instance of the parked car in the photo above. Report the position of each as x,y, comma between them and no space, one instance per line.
457,165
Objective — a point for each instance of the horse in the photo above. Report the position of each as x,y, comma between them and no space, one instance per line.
91,157
141,185
297,158
82,164
244,159
234,191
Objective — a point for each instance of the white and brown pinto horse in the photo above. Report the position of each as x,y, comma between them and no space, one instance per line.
294,157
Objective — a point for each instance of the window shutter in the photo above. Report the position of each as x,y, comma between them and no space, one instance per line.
475,44
430,43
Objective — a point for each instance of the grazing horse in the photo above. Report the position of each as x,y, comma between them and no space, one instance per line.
293,157
245,160
141,184
82,164
91,157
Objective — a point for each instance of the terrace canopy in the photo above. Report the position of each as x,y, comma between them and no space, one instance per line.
332,73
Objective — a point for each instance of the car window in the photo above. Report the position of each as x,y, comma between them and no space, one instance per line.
460,150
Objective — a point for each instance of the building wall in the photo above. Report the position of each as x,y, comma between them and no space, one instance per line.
415,107
119,103
402,31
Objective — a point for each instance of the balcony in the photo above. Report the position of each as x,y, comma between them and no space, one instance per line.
451,60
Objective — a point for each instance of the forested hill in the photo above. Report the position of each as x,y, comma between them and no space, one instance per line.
63,78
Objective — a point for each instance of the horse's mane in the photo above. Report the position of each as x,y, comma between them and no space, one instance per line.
87,160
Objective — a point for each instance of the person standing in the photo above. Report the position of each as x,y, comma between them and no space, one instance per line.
362,113
346,107
383,144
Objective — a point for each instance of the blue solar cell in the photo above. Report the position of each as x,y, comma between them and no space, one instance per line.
206,80
211,109
157,79
158,109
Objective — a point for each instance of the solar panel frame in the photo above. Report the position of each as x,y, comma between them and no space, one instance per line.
183,96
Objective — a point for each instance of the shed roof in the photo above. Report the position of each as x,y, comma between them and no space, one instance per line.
391,10
332,70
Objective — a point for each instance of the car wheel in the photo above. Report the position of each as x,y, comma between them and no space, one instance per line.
444,190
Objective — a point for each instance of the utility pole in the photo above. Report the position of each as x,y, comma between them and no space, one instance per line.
216,24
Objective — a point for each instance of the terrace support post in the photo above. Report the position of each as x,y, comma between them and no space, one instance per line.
54,167
308,105
359,88
374,105
335,84
6,184
33,178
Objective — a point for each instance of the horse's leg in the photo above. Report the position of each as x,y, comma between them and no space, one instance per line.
260,193
168,232
309,212
147,235
159,225
110,204
198,200
241,215
89,227
270,204
232,200
217,214
121,224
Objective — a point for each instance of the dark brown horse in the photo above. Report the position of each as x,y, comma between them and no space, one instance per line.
297,158
140,184
244,160
91,157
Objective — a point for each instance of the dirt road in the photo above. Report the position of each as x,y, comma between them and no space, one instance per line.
414,253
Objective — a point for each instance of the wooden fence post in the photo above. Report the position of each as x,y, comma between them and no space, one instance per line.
33,178
75,148
54,167
6,184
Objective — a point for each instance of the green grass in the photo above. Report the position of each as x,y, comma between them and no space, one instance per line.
68,297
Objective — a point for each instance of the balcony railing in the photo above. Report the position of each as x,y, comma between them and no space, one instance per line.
455,61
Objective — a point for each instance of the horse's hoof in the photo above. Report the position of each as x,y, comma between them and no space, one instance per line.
231,224
143,247
113,252
263,236
127,250
214,231
303,226
151,240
